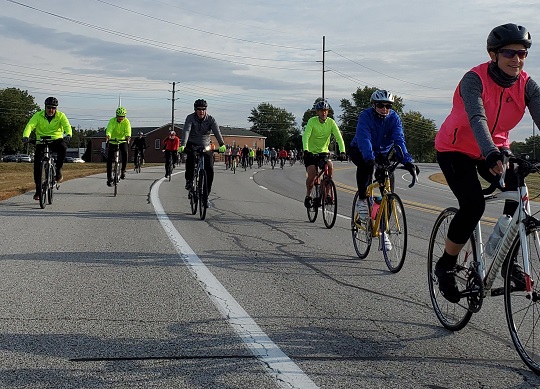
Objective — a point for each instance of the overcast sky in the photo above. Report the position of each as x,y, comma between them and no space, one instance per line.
237,54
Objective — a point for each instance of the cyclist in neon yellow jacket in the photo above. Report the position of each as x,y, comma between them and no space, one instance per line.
315,140
53,123
118,134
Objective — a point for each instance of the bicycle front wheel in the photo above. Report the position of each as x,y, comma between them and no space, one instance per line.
361,231
453,316
522,308
394,233
50,187
329,204
43,182
203,194
115,178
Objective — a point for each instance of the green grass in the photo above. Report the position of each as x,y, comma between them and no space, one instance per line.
18,178
533,183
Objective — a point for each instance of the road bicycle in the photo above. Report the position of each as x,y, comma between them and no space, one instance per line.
116,163
169,167
137,162
386,216
198,193
47,173
517,254
234,163
323,194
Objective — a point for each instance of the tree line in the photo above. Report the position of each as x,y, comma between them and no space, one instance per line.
16,109
277,124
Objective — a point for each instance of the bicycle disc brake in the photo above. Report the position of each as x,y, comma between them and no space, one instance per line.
474,291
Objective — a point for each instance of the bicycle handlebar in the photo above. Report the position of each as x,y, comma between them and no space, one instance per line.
392,160
525,166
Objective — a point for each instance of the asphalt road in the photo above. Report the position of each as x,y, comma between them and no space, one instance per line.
135,292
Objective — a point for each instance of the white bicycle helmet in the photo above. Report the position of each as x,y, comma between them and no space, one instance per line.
382,96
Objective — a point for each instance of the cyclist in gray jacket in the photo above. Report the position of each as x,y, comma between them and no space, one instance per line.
196,132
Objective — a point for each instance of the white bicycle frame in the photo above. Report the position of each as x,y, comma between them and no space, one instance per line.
517,226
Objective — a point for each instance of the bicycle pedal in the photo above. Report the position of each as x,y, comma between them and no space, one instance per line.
497,291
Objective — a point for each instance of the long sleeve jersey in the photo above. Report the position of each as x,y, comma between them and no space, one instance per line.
198,131
316,137
55,127
119,131
375,135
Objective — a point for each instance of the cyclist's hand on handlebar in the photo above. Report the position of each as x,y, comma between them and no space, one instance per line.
342,157
412,168
25,139
494,162
380,159
181,149
67,138
222,149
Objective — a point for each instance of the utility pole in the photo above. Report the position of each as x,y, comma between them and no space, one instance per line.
323,71
323,51
173,99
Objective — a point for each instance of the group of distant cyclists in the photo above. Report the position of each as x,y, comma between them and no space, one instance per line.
489,101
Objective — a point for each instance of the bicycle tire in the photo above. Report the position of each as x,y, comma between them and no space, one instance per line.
170,168
313,210
43,182
203,194
329,208
361,232
522,308
394,228
453,316
51,184
115,178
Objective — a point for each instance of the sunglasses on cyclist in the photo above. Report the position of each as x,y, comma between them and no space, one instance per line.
381,105
509,53
200,109
50,107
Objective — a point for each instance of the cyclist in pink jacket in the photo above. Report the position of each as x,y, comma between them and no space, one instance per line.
489,101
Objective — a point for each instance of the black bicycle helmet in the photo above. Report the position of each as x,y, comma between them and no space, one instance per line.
507,34
200,103
51,102
322,104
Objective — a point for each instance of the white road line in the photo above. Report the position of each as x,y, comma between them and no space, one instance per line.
283,370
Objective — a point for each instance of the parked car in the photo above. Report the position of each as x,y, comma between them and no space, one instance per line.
74,159
9,158
25,158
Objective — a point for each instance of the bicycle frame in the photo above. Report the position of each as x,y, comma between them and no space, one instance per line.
386,188
517,229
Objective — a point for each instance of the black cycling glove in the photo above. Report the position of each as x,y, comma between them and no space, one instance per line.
412,168
493,158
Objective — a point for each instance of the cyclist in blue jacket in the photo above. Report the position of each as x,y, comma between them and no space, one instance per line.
378,128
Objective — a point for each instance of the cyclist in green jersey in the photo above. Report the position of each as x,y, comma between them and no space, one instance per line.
315,141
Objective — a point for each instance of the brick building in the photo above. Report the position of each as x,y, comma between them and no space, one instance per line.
154,141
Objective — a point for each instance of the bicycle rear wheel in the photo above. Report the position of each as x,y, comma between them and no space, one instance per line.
523,309
313,210
329,204
361,232
43,182
394,233
453,316
203,194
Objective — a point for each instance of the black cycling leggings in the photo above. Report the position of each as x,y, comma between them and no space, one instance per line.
461,173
